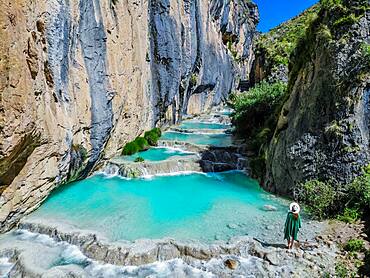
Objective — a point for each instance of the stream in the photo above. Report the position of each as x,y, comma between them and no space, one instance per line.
191,190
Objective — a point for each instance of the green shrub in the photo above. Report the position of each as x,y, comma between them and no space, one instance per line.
158,131
354,245
130,148
347,203
357,194
152,136
141,142
254,107
319,197
350,215
341,271
139,159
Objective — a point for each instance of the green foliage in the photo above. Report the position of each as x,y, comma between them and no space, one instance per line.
193,79
152,136
354,245
277,45
365,49
139,159
341,270
254,107
130,148
141,142
346,20
78,148
333,22
255,116
350,215
349,202
328,4
319,197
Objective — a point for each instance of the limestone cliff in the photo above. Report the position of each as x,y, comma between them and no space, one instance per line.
80,78
323,129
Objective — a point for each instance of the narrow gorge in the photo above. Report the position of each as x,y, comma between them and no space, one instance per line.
81,79
167,138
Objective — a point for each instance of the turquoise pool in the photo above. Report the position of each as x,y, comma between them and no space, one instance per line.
199,138
187,207
155,154
202,125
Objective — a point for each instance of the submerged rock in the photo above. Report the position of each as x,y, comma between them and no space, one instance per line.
269,208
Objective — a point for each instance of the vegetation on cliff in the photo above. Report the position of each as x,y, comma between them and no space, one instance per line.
142,143
255,115
278,44
349,201
273,49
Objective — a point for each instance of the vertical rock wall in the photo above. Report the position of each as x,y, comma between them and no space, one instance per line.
78,79
323,129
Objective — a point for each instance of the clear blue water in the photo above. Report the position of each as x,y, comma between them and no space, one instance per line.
187,207
199,139
155,154
202,125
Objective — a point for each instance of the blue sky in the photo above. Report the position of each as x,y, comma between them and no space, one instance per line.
274,12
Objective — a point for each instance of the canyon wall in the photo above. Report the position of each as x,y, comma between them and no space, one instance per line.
79,79
323,128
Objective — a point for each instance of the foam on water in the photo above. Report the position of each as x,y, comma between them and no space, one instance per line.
65,254
5,267
155,154
189,206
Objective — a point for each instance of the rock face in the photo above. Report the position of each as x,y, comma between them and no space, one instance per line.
81,78
323,129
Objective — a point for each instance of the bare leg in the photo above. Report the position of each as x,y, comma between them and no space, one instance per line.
288,243
291,243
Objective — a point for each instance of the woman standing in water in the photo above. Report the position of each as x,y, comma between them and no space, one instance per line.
292,224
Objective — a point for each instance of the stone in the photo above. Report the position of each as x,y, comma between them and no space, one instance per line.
273,258
232,226
230,263
269,208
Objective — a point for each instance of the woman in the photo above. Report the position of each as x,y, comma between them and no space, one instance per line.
292,224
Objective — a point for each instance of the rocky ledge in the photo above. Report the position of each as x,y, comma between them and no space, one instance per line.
239,256
211,159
